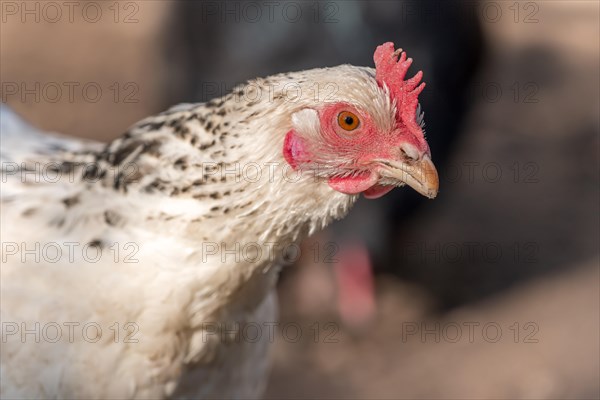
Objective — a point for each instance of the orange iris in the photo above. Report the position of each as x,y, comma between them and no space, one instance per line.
348,121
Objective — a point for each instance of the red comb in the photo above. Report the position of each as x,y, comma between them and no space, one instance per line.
390,71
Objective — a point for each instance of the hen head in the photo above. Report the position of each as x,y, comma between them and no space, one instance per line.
369,138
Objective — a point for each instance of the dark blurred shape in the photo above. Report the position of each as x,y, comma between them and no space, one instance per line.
488,234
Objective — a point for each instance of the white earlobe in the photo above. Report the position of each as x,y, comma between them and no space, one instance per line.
306,122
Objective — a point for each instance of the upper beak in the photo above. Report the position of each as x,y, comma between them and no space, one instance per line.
420,175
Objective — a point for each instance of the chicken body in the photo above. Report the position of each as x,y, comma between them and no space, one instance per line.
130,270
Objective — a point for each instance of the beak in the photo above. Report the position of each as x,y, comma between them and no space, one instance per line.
420,175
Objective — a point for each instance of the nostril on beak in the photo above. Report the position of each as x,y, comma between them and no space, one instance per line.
409,151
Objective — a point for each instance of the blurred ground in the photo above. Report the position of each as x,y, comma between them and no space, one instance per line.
540,134
474,352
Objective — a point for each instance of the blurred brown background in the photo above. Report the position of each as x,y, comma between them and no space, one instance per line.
490,291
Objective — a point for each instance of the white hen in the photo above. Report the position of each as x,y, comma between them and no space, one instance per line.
130,269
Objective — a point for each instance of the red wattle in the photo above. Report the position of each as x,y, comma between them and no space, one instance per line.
377,191
365,183
353,184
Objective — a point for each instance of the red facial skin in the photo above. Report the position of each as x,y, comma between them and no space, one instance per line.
358,148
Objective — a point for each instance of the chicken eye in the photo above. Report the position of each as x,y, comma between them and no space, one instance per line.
348,121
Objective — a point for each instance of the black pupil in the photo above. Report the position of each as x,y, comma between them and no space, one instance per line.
349,120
